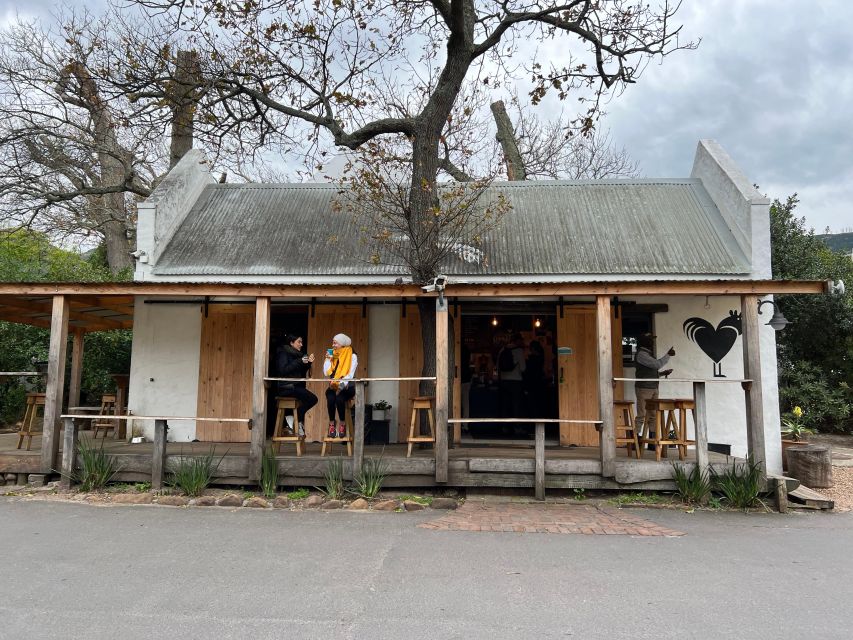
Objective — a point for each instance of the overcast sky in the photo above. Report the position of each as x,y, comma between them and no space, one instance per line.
772,82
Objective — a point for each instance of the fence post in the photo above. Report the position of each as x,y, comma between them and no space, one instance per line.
358,436
69,453
701,420
158,457
540,461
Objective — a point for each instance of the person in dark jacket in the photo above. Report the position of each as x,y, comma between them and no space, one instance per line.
291,362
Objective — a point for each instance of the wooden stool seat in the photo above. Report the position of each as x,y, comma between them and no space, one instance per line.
669,418
626,431
347,439
108,406
421,403
29,423
283,405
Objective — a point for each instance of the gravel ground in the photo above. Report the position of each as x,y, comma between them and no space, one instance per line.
842,489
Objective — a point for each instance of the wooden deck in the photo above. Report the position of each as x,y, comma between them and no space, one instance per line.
470,464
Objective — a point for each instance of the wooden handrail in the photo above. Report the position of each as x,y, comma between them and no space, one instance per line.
89,416
739,380
431,379
542,420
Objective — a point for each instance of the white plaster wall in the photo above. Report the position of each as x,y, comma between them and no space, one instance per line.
384,356
726,400
164,366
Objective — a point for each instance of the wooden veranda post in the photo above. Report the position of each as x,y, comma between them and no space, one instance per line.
76,373
259,389
442,388
358,428
752,371
55,383
605,386
158,455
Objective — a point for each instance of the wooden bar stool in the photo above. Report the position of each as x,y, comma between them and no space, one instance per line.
421,403
108,406
347,439
623,414
31,416
666,422
283,405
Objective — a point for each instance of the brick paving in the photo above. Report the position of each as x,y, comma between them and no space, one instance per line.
587,519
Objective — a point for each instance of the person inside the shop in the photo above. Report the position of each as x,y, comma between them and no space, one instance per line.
511,367
292,362
340,365
648,369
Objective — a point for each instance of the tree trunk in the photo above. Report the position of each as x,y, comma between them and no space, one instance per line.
184,100
811,464
506,136
118,248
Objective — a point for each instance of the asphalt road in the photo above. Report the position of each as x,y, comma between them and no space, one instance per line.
79,571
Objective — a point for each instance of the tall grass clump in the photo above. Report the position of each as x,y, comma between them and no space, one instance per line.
193,475
368,481
334,477
693,487
740,484
269,473
96,467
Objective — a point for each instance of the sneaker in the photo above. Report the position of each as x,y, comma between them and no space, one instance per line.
342,431
331,430
301,431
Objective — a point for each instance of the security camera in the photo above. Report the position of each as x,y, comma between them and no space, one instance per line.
138,253
438,284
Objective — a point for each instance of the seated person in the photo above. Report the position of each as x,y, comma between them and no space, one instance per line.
340,365
291,362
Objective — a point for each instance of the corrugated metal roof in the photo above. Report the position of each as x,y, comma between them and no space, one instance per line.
644,227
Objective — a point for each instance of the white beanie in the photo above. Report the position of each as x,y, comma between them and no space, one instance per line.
343,339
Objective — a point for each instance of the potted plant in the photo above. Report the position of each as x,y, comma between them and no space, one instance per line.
380,408
794,432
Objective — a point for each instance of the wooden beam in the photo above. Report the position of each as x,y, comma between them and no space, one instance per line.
701,420
41,307
752,371
76,373
259,390
442,388
659,287
158,455
11,316
55,382
69,453
605,385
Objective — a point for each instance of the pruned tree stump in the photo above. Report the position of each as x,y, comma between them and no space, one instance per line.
811,464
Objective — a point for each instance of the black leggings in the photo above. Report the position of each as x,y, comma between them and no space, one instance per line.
339,399
306,400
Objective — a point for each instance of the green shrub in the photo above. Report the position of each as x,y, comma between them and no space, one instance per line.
740,484
194,475
826,407
693,487
96,467
368,481
299,494
334,477
269,473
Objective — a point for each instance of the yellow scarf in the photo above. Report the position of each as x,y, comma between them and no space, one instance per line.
341,363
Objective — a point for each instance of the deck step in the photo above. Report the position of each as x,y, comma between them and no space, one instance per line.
810,499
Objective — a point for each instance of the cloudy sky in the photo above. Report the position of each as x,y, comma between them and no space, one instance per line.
772,82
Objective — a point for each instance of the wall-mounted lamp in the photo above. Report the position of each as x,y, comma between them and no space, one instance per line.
494,321
778,321
537,323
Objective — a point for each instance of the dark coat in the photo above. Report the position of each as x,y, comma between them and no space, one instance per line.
289,365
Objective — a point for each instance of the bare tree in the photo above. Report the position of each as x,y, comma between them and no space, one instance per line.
283,65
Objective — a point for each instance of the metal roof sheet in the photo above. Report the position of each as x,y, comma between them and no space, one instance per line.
610,227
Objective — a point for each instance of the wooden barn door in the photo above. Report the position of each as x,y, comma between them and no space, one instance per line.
578,372
225,372
329,320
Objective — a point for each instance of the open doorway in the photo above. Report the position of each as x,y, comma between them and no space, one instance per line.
486,332
285,320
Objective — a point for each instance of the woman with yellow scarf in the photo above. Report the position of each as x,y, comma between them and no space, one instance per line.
340,365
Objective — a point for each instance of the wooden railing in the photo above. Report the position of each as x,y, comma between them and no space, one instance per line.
539,442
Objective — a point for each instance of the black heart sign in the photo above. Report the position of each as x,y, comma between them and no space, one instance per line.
716,343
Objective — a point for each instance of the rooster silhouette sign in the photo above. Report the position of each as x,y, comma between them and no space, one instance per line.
716,343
